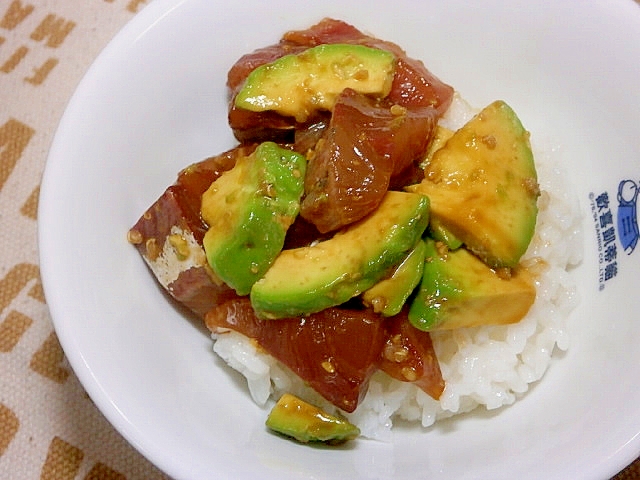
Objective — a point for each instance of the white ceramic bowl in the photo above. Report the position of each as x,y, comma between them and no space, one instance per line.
155,101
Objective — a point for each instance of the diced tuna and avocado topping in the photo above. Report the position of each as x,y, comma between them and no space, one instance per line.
347,224
298,85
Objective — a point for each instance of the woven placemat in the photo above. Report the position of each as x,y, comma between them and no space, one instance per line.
49,428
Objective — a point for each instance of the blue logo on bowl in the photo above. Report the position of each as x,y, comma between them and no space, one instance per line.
613,228
627,215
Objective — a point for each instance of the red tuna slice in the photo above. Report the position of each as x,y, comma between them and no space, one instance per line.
169,235
408,356
251,126
415,86
328,30
334,351
366,145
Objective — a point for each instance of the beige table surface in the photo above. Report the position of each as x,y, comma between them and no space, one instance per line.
49,428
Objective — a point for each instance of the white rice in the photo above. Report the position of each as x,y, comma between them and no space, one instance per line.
489,366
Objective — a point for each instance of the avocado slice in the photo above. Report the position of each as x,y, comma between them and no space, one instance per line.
297,85
436,229
440,137
460,290
483,186
441,233
298,419
248,210
389,295
309,279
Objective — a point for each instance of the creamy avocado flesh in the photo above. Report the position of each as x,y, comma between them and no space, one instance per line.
248,210
389,295
309,279
483,187
459,290
299,84
298,419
